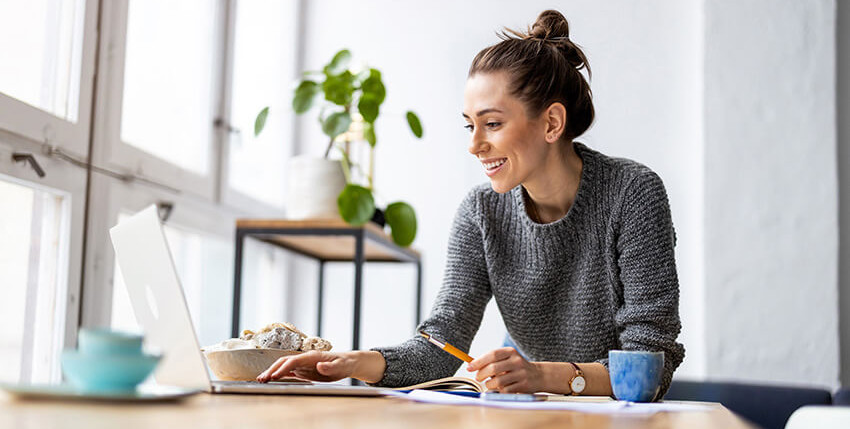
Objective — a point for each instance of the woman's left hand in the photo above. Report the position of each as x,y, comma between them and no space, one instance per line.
508,371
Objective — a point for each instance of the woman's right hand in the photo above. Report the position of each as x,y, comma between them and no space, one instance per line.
312,365
327,366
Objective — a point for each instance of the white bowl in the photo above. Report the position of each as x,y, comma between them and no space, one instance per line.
243,364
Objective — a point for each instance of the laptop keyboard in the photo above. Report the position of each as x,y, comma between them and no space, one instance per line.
271,383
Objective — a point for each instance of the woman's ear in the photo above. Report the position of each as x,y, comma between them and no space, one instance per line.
556,121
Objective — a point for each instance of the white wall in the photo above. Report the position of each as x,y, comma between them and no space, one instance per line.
771,191
646,59
732,103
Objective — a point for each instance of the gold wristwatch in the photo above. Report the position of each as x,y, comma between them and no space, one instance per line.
577,383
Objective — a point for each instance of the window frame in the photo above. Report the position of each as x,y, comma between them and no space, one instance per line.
70,181
119,155
39,126
228,195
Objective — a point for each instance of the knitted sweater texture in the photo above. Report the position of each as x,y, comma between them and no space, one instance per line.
601,278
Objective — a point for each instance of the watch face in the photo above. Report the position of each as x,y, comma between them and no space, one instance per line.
577,384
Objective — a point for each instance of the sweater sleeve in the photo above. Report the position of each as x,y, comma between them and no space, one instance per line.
457,312
648,315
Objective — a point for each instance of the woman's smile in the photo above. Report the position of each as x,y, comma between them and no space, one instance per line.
493,165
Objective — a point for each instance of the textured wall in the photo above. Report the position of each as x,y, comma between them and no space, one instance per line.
770,191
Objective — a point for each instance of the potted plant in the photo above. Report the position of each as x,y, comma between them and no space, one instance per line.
350,104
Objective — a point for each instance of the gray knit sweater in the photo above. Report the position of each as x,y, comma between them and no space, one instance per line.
603,277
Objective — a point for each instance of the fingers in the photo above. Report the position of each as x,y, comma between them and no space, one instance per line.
510,382
265,375
284,366
491,356
496,368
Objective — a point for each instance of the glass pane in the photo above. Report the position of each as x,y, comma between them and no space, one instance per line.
169,80
205,268
41,47
33,260
263,75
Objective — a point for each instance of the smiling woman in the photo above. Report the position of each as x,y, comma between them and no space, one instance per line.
576,247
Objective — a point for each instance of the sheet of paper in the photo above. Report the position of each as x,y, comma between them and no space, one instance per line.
610,407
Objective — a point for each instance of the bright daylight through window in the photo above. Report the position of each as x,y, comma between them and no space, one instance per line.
45,39
169,81
261,78
33,260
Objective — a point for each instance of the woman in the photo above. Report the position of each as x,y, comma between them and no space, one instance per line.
575,246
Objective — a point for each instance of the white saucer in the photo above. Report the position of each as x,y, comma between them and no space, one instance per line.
68,392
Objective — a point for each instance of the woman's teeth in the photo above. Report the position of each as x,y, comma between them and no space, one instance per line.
492,165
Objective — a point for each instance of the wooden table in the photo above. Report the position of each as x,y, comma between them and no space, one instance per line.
254,411
325,240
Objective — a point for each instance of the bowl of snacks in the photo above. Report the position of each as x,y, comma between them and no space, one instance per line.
244,358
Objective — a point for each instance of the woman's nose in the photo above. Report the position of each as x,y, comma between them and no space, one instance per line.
476,143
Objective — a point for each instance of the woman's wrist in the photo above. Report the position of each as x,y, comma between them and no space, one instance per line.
556,377
369,365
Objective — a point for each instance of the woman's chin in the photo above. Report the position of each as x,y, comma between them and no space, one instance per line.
500,186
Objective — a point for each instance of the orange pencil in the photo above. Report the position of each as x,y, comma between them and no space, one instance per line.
454,351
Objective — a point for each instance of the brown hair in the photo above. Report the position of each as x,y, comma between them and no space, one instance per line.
543,65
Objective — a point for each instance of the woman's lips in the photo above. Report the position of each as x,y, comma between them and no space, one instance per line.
492,168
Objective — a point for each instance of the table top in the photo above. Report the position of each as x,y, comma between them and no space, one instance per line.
327,239
223,411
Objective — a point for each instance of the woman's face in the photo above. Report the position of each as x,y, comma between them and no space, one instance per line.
510,145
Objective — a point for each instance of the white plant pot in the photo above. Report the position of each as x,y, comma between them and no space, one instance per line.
314,185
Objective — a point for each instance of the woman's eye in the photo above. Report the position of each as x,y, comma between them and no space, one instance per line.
493,124
469,127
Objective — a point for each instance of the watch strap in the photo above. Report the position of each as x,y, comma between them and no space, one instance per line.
578,374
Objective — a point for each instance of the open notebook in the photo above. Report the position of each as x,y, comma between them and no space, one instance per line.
464,384
449,383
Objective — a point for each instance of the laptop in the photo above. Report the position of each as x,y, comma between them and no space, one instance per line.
142,252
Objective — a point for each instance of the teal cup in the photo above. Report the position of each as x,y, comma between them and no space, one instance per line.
107,361
635,375
102,341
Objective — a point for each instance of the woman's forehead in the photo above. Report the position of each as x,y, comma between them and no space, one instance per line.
487,91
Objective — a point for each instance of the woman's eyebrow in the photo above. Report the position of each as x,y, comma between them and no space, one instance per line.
483,112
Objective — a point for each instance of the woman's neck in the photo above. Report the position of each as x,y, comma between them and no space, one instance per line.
553,189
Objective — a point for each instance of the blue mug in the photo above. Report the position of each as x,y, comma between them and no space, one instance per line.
635,375
107,361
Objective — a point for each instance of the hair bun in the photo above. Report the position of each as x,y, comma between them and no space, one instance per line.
550,24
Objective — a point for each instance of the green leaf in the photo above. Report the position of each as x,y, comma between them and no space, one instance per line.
369,134
336,124
401,218
356,204
339,89
415,125
305,94
260,122
368,107
374,86
339,63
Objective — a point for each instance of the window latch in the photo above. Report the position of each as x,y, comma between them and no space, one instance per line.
27,157
224,125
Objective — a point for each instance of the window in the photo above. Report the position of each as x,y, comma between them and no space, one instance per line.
33,260
44,37
263,75
169,81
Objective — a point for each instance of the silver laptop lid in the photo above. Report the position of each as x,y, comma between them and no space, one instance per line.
142,252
